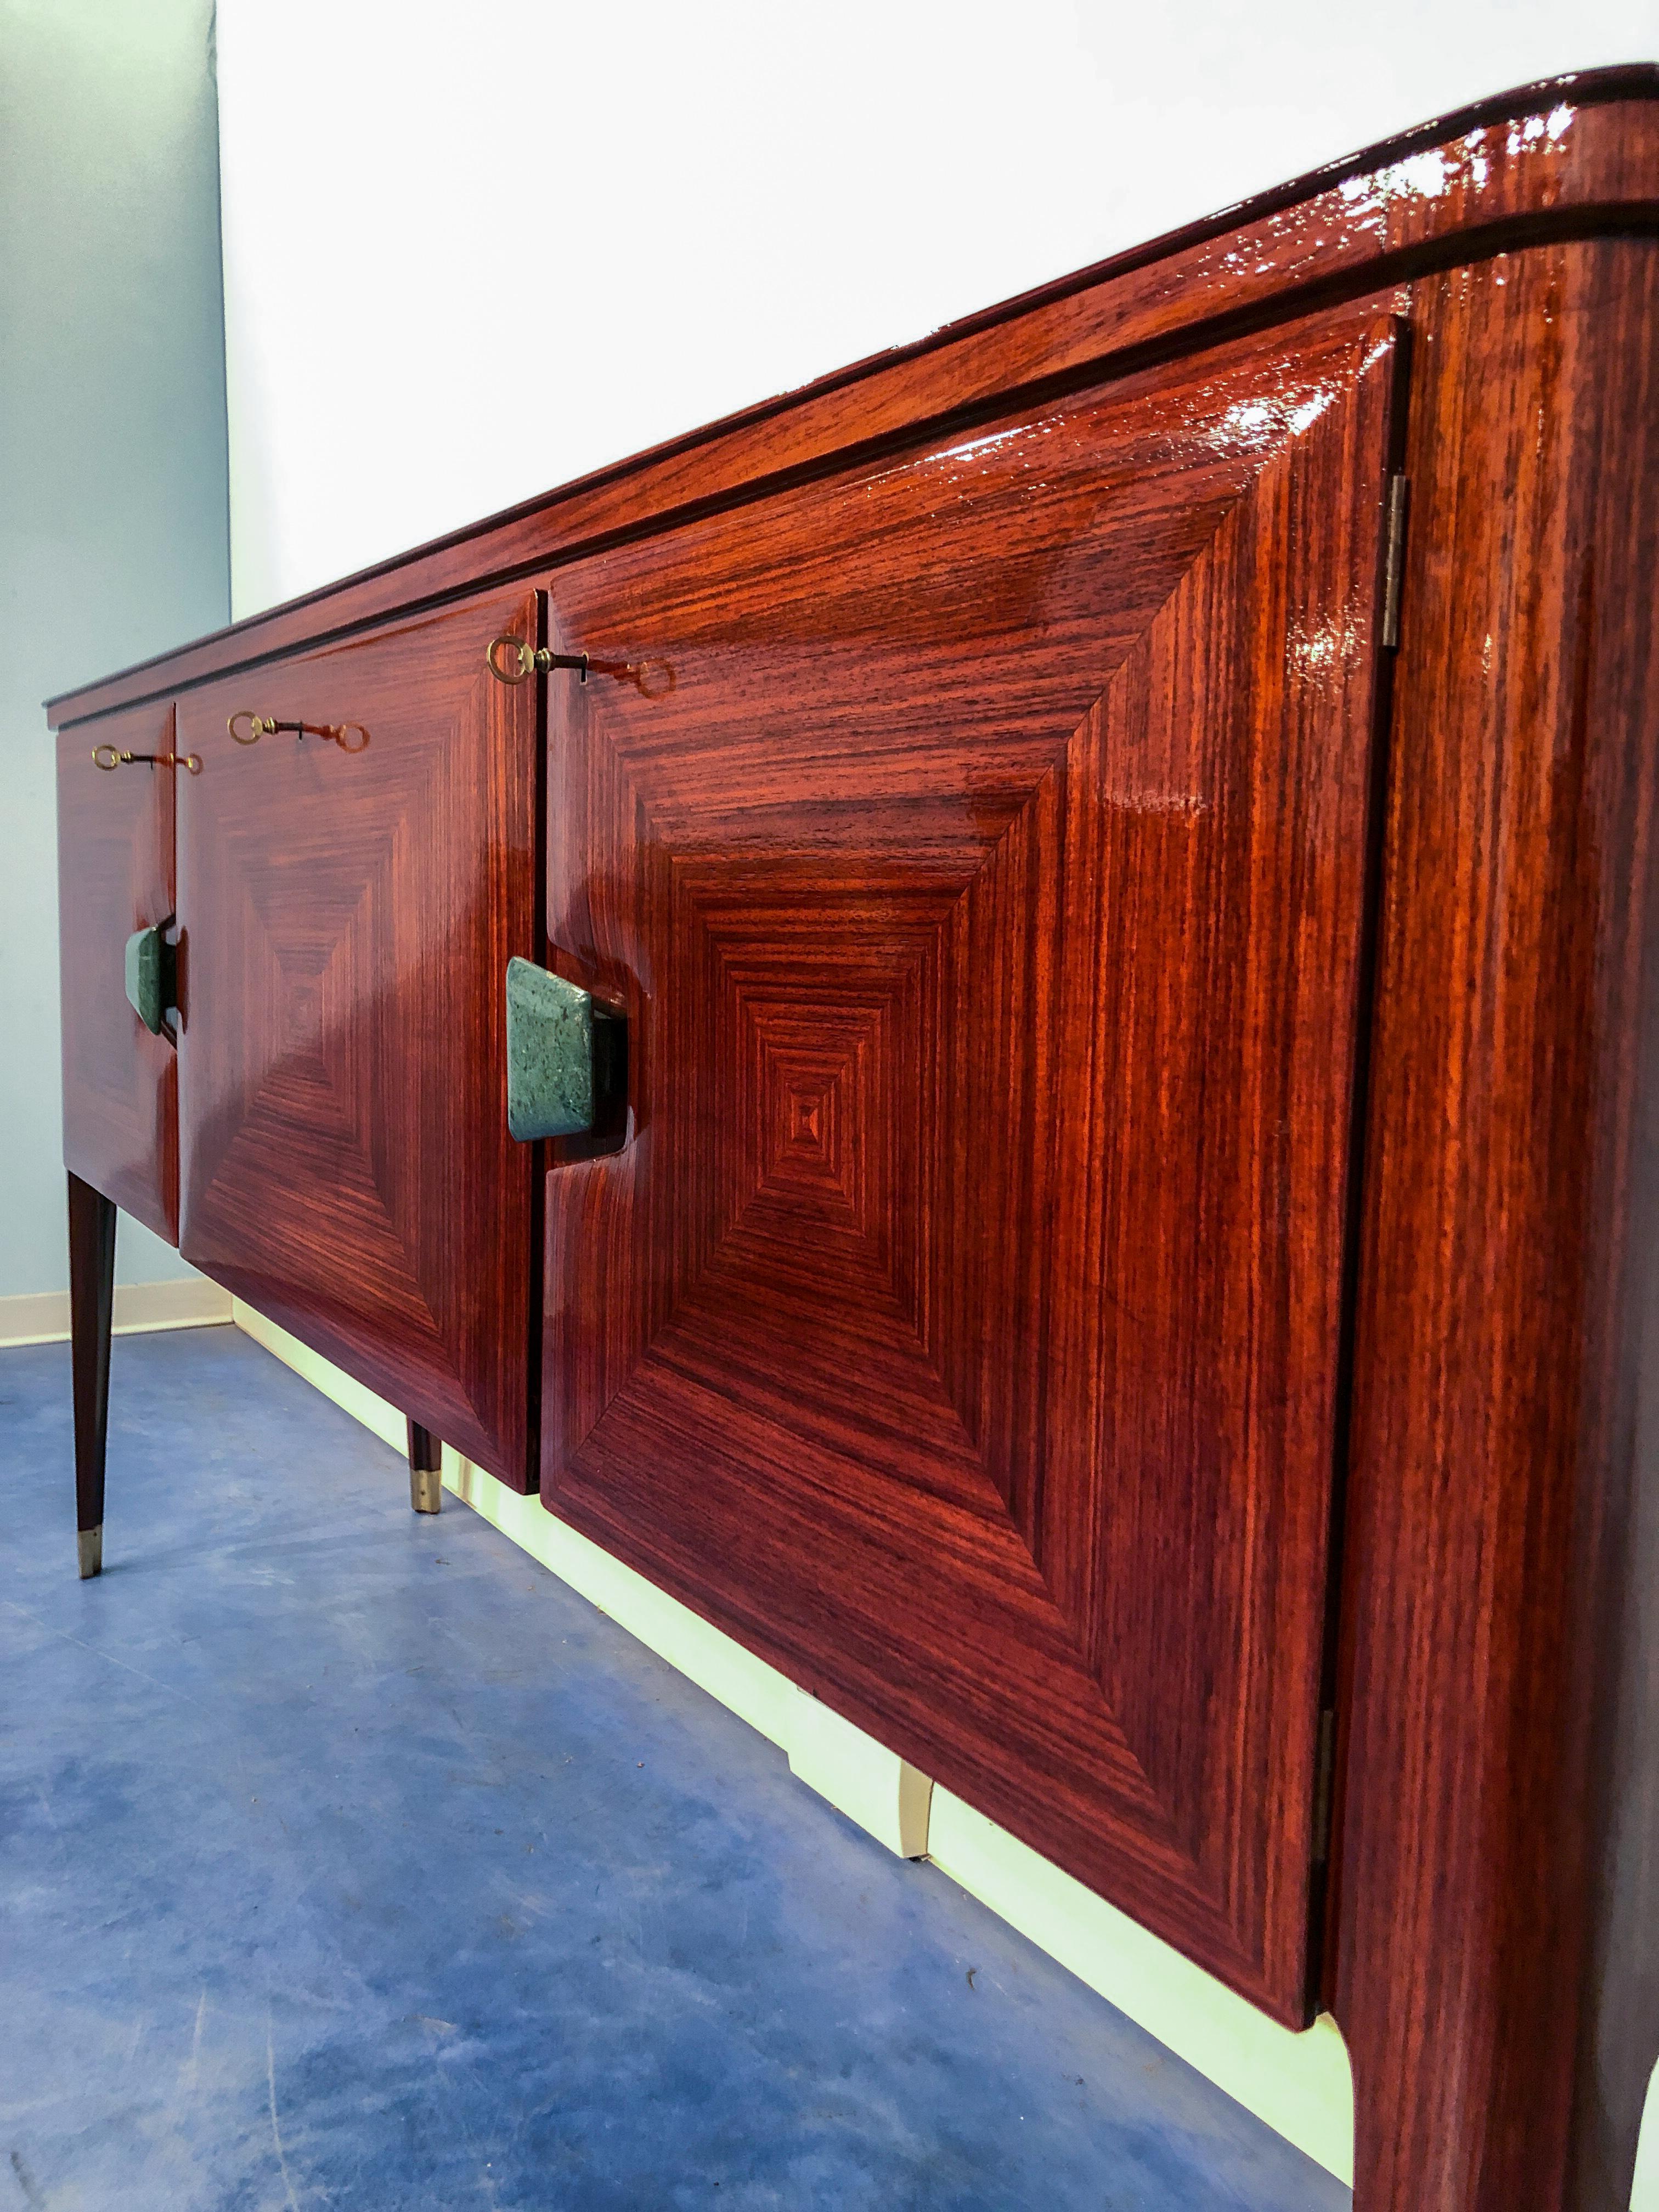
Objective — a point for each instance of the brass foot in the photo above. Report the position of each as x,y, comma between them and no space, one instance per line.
90,1544
426,1489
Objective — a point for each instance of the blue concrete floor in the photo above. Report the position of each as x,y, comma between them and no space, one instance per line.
347,1859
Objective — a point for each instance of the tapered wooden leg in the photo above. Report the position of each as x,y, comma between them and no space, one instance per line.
426,1490
92,1298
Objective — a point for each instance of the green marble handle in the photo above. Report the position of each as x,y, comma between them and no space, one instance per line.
565,1056
151,970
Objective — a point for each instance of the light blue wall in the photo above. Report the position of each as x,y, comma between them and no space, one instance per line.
113,532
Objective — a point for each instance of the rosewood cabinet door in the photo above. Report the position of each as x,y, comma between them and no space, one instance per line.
977,847
348,917
115,875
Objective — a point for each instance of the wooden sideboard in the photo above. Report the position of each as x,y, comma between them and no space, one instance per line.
1116,852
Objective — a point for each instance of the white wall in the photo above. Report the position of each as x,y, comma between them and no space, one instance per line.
113,539
474,250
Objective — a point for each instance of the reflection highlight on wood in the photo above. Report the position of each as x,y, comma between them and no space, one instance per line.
978,1257
115,875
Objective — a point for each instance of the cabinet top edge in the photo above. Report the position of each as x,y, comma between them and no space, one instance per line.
1577,153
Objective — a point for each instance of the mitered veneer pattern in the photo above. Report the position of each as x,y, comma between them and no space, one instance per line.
960,1325
348,917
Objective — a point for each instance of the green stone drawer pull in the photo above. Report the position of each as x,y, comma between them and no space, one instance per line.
565,1056
152,977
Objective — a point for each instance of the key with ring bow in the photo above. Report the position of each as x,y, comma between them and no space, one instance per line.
510,660
113,756
350,737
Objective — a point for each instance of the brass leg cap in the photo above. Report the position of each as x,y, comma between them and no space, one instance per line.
89,1544
426,1489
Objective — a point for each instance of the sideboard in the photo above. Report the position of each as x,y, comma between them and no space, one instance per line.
1001,1020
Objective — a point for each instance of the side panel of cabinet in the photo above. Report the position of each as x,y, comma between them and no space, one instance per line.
115,875
1497,1921
347,918
976,847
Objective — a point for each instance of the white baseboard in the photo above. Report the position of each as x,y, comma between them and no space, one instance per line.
43,1316
1300,2085
355,1398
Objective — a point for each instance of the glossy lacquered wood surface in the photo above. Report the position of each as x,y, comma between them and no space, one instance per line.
92,1309
1094,1176
1577,154
1496,1963
115,874
347,921
978,860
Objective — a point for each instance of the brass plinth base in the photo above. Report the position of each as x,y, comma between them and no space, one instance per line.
426,1489
90,1545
